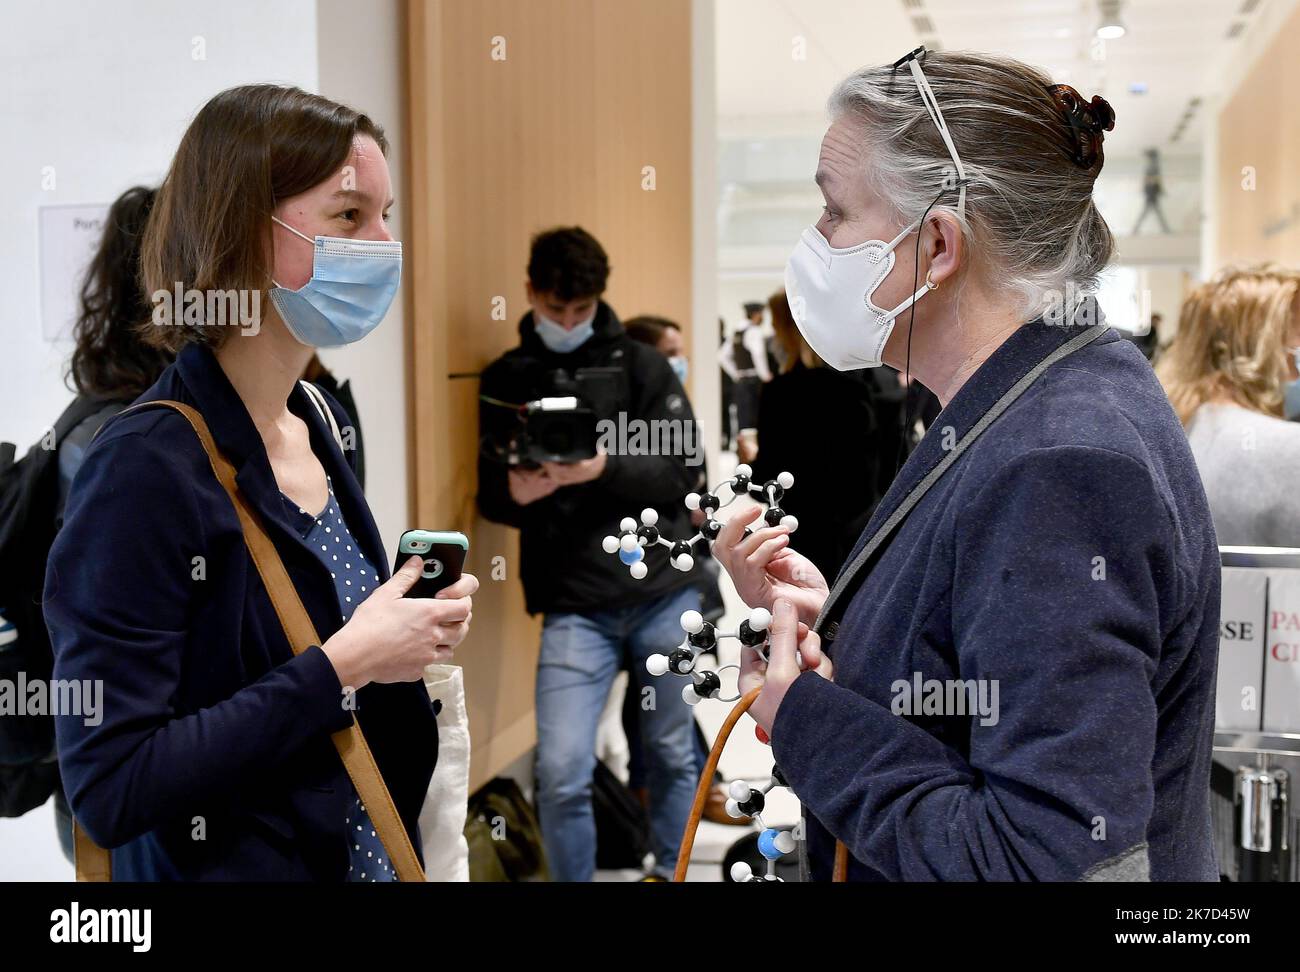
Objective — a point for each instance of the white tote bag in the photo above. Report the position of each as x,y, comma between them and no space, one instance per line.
442,818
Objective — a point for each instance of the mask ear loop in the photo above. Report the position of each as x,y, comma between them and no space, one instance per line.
277,219
936,115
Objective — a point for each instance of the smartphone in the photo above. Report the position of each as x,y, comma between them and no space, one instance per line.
443,553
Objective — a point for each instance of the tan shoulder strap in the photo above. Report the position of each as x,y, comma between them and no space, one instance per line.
298,628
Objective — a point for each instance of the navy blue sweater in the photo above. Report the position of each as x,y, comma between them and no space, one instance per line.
1069,558
213,760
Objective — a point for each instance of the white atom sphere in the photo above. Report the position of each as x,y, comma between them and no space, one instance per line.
649,517
692,501
785,480
791,523
739,790
784,842
760,619
692,621
689,695
741,872
733,809
684,562
639,570
744,469
629,542
610,544
627,525
657,664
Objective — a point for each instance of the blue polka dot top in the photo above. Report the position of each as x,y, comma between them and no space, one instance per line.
354,578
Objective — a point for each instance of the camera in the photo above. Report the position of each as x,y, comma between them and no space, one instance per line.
562,427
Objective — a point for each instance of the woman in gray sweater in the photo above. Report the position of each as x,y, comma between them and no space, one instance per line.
1231,375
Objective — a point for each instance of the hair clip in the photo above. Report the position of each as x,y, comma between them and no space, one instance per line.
1088,121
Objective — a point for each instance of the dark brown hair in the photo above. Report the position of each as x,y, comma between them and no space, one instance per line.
110,360
247,149
568,262
649,329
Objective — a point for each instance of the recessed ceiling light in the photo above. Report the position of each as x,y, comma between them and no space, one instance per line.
1110,27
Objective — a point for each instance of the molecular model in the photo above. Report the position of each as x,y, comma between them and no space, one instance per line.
701,637
633,540
745,801
773,844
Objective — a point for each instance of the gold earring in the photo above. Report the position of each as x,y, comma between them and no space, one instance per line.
930,284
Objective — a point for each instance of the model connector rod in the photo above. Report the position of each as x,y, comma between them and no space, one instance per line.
633,540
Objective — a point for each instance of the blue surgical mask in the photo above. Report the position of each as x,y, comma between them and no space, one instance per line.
557,339
1291,403
1291,399
352,285
679,363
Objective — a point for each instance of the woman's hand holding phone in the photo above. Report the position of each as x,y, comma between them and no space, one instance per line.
391,637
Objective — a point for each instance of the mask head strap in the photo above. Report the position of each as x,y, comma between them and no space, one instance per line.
913,60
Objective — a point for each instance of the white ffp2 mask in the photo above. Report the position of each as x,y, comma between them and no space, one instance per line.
830,293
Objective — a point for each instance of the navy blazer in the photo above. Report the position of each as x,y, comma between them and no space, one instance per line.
1068,558
213,758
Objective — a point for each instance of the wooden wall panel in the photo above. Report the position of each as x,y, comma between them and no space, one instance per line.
559,132
1258,128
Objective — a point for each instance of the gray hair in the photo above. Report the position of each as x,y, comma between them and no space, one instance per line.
1029,209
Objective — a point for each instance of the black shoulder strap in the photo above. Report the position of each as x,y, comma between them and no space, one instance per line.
851,577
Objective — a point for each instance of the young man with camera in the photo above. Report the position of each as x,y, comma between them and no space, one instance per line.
542,470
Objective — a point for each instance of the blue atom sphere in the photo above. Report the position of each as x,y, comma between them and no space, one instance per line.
767,844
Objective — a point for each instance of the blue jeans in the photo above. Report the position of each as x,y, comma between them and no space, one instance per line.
581,654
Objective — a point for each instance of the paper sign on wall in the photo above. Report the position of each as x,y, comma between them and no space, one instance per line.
69,236
1282,657
1239,701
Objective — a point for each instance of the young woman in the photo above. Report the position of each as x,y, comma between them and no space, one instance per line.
210,755
1231,376
1024,674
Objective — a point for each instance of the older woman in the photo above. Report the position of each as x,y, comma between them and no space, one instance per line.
212,758
1024,641
1231,376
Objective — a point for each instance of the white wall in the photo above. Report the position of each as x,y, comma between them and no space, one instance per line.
360,51
102,92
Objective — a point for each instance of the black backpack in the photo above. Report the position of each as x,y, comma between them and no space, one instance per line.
622,827
29,494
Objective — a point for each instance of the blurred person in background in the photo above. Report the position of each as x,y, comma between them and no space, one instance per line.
823,426
727,396
1149,343
745,360
108,368
1231,375
597,617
